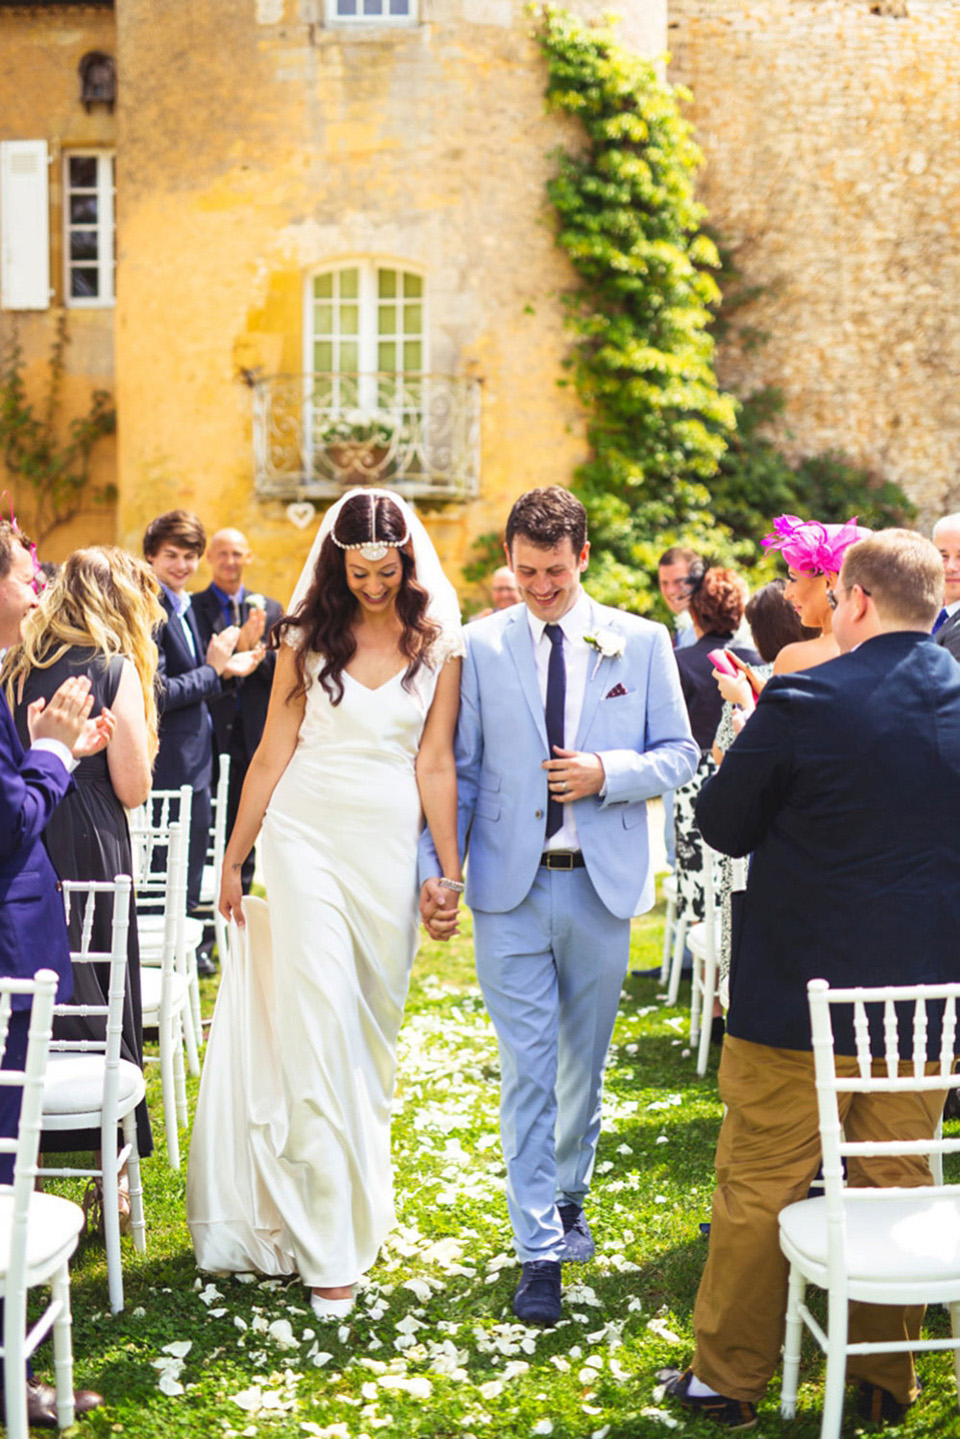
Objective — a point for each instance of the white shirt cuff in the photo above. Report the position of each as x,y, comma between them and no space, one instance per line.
57,747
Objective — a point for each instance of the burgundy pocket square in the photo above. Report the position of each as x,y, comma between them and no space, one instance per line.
616,692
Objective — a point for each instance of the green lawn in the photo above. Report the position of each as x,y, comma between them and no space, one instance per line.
432,1348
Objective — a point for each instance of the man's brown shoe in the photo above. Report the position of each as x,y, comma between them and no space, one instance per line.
730,1413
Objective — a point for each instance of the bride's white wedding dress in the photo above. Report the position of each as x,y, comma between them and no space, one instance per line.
290,1160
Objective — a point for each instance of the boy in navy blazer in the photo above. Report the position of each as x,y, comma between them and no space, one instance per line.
189,673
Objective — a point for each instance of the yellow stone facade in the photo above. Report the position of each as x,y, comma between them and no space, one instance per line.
257,143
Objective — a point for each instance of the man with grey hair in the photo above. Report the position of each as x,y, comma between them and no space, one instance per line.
946,628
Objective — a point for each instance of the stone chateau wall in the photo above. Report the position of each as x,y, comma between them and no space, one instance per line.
832,139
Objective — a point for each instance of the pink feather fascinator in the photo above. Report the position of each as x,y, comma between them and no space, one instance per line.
811,548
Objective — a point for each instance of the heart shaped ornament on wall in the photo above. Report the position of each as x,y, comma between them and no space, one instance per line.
300,513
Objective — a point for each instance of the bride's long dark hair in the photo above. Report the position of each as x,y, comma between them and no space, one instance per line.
323,622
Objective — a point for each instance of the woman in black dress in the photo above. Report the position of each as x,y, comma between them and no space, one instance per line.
97,619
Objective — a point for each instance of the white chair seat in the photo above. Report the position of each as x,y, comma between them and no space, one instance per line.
889,1241
150,933
73,1086
151,989
53,1227
209,885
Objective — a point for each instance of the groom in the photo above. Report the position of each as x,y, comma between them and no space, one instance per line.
571,717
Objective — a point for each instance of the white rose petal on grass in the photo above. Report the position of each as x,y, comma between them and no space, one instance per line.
180,1348
281,1332
415,1385
660,1328
559,1363
239,1323
601,1433
322,1358
660,1416
543,1426
138,1313
492,1388
515,1368
168,1384
420,1289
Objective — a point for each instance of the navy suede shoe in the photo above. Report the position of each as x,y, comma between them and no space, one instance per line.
729,1413
537,1300
578,1245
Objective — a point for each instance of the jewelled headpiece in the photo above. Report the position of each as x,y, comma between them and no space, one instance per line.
810,547
373,549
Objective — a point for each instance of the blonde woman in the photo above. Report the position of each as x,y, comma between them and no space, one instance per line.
96,619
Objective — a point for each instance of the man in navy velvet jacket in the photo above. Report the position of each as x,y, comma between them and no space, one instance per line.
845,788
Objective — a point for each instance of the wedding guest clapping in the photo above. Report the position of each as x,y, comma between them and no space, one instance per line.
96,620
290,1160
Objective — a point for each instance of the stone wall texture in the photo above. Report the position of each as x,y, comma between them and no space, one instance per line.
832,142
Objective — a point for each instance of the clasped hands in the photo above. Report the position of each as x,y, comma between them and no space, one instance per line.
572,775
439,909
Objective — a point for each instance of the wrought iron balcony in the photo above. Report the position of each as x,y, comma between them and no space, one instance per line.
316,435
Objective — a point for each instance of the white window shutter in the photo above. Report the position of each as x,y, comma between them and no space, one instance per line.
24,226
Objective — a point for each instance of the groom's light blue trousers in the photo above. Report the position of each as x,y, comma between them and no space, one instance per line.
551,972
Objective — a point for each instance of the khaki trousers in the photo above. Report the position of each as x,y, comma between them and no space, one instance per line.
767,1155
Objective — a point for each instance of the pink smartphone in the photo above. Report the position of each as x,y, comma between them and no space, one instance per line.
721,661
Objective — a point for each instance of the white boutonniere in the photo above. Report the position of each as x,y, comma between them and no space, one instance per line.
608,644
256,602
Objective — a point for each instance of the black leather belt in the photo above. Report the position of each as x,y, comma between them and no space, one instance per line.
562,859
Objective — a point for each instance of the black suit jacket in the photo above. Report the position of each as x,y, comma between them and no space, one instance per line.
948,635
254,691
33,929
845,786
184,685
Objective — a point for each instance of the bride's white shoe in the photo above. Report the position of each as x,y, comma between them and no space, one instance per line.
331,1308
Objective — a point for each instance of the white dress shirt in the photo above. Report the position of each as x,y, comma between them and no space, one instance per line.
577,654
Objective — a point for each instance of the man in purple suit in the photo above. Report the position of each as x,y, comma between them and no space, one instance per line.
33,930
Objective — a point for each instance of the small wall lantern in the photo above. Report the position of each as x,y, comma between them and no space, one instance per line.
98,80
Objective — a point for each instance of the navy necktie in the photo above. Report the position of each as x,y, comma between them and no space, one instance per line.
556,702
941,619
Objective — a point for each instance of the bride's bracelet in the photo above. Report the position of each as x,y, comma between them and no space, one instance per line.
456,885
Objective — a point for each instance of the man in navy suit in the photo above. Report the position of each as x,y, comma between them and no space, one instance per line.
33,930
845,787
189,673
946,629
240,712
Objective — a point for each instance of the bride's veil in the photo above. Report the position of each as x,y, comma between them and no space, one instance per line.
443,606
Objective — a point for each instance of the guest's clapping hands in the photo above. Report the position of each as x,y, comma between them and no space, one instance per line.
573,774
242,663
96,734
439,910
251,631
65,716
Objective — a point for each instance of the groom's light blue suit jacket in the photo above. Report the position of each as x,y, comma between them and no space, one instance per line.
642,737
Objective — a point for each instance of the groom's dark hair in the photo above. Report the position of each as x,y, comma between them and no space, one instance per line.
546,517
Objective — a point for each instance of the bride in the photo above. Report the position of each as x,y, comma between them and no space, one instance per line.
290,1160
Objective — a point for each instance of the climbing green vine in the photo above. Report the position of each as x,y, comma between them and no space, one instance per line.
642,360
53,465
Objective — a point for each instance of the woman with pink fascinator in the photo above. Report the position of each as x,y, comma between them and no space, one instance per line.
814,553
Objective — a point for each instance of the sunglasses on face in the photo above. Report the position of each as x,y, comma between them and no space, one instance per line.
832,600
